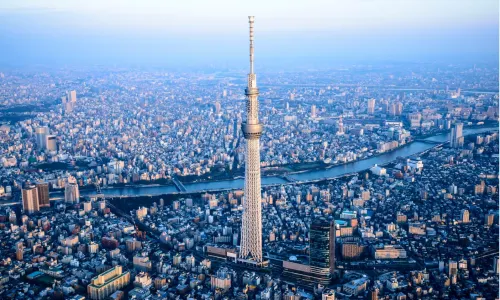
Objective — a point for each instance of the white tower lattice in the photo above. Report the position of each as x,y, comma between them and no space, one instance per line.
251,229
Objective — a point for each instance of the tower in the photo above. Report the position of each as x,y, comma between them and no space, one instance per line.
43,194
30,199
322,247
71,192
251,227
71,96
340,126
51,142
19,251
457,139
313,111
464,215
371,106
41,133
217,107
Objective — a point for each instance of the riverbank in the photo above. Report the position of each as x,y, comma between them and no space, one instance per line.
308,176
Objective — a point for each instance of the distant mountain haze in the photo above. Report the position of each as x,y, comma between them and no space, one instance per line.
289,34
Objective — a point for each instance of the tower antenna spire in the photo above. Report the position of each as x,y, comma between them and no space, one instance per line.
250,21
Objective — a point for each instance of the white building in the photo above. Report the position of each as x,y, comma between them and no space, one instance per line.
379,171
415,164
71,191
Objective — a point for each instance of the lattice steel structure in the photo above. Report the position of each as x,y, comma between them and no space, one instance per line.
251,229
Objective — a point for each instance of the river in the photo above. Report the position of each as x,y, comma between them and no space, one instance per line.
313,175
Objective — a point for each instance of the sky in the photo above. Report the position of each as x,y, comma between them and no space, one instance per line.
288,33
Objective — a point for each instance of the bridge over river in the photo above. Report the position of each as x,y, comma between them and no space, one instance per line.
416,147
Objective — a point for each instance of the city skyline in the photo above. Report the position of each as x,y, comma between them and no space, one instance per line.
171,174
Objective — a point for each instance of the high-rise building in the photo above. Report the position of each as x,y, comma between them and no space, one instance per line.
19,251
396,108
322,246
71,96
30,199
457,139
221,280
452,267
71,191
43,194
41,136
251,228
464,216
68,106
313,111
69,101
340,126
371,106
489,219
399,108
392,109
217,107
108,282
51,142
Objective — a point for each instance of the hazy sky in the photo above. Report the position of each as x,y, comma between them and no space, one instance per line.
288,32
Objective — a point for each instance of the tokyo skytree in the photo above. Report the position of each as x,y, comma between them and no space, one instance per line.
251,229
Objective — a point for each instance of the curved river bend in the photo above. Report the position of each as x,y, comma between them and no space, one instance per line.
313,175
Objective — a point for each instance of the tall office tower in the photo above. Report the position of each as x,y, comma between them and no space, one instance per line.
340,127
399,108
371,106
30,199
51,142
41,134
457,139
322,247
385,105
71,192
71,96
489,219
251,228
392,109
464,215
43,194
217,107
452,267
313,111
19,251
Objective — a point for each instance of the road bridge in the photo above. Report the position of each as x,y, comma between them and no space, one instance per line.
180,187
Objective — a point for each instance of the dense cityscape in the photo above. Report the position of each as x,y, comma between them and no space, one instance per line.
354,182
